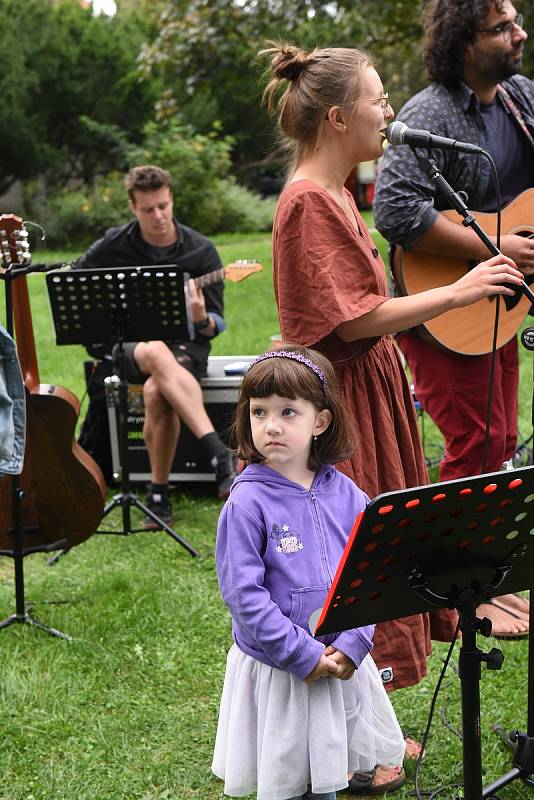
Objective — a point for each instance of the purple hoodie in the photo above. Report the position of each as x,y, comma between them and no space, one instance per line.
278,547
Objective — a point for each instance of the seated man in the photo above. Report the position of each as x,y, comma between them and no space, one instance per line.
170,371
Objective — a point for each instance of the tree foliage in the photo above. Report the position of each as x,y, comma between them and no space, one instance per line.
206,196
206,53
71,91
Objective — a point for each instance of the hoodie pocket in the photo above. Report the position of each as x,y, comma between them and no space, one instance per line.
304,602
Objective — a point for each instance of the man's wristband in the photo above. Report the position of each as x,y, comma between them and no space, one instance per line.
204,323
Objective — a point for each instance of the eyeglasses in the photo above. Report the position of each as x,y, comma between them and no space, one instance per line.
506,28
383,101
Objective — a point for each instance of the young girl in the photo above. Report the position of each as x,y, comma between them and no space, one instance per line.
297,713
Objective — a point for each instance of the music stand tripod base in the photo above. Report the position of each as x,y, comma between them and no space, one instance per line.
27,619
115,306
127,500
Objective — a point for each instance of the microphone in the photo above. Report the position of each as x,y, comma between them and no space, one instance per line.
398,133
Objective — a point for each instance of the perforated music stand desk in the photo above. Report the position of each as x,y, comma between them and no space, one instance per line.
108,305
452,544
112,306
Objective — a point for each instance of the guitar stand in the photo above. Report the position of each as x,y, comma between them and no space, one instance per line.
22,613
126,499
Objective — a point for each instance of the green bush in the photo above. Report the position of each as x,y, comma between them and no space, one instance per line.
242,210
206,196
77,217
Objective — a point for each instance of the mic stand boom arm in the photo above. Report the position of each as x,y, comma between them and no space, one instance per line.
430,169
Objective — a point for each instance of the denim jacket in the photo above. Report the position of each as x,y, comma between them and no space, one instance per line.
12,408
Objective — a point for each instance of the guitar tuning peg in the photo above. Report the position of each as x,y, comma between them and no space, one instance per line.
23,252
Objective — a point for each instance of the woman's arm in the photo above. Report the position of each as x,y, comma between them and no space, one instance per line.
399,313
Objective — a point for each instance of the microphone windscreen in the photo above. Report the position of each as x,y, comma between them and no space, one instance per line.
395,132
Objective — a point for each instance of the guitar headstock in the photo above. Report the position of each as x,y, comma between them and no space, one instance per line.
14,247
241,269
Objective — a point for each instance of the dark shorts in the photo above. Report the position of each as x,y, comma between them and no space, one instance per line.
187,355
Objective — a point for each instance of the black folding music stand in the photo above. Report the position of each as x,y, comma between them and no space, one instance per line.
113,306
454,544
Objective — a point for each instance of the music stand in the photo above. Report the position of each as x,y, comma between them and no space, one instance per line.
452,545
113,306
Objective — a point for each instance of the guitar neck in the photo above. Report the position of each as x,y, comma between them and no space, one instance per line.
25,338
209,278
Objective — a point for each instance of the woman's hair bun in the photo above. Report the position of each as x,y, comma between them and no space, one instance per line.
288,63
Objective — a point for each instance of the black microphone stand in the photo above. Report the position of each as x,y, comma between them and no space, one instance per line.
521,743
469,221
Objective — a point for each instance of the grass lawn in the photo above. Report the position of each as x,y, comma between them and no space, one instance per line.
127,710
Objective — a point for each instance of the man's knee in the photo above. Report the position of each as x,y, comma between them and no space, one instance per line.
155,403
151,356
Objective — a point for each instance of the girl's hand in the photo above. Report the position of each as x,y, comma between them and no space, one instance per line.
325,666
487,278
345,665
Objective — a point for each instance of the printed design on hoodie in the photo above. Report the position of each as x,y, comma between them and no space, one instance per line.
286,540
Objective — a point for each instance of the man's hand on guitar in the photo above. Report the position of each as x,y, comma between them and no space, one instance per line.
487,278
521,250
197,303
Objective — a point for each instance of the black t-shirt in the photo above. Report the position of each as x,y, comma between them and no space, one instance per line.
193,253
511,152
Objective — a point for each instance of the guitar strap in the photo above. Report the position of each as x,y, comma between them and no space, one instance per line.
516,113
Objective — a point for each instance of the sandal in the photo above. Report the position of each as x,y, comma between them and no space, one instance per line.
504,634
362,783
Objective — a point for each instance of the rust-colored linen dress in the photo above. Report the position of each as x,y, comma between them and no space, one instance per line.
327,272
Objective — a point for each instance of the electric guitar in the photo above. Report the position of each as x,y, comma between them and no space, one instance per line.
469,330
234,272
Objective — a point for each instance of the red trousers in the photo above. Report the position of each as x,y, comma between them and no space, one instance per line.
453,390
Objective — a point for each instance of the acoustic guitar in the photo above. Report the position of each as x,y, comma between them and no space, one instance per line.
63,488
467,331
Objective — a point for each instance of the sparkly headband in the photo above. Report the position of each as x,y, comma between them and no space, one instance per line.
294,357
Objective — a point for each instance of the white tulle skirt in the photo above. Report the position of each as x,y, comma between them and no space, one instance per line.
278,735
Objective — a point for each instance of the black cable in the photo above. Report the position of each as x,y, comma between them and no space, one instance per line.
418,792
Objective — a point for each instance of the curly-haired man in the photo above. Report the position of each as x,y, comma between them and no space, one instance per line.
473,53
